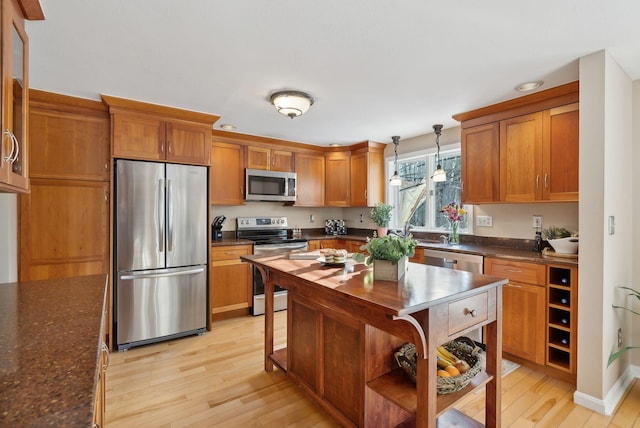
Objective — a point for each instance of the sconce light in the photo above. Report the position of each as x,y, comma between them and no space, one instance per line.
438,175
291,103
395,179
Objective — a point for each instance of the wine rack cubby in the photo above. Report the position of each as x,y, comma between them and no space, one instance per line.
562,285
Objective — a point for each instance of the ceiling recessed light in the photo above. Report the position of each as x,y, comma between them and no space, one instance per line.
335,145
529,86
227,127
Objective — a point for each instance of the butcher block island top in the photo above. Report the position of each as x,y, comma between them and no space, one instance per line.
343,328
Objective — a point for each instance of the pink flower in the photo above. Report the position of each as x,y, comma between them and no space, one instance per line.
453,211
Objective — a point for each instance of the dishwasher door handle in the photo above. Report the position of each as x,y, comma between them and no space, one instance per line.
452,261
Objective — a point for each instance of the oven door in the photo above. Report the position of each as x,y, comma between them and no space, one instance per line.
280,294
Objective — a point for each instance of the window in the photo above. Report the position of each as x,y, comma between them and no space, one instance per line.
422,199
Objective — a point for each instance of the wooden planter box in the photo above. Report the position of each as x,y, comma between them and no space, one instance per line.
384,270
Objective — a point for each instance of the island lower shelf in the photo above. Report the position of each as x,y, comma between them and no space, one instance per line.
397,388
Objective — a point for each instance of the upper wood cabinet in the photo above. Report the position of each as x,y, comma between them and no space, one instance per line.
560,153
480,167
522,150
68,142
337,182
14,144
310,172
226,175
521,158
159,133
367,174
270,159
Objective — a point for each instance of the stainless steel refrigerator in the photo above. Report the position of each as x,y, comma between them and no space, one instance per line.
161,222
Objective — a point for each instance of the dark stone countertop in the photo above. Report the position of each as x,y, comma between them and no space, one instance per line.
50,343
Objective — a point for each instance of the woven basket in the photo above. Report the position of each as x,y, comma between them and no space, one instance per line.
462,347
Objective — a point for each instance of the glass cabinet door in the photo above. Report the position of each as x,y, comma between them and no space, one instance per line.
15,126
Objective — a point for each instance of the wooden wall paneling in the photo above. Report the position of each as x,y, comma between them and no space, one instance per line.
64,229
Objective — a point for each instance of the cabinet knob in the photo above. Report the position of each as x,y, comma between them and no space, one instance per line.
471,312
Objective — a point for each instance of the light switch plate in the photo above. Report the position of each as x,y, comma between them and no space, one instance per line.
612,225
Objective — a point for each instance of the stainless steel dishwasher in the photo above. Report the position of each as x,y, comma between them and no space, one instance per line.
460,261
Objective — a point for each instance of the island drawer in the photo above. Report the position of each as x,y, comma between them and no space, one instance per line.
466,313
230,252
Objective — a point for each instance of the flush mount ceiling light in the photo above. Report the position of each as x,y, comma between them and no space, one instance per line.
438,175
529,86
395,179
291,103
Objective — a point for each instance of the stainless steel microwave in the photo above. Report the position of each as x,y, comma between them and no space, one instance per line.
262,185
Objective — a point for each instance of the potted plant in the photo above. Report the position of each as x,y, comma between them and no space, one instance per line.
381,216
561,239
615,355
389,255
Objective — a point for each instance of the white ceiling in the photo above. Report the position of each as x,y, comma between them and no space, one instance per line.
376,68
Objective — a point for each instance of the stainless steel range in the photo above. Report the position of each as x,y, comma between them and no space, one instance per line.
269,236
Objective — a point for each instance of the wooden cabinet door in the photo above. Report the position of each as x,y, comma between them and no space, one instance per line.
480,150
226,186
337,179
258,157
64,229
367,179
310,180
69,145
561,152
521,158
523,321
138,137
230,281
281,160
188,143
523,307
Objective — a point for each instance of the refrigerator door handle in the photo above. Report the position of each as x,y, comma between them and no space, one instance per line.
161,215
163,275
170,215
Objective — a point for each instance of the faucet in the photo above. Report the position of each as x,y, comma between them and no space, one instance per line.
445,239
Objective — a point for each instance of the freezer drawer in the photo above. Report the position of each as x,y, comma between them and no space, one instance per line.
160,304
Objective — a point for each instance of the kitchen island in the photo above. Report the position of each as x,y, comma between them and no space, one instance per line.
343,328
51,349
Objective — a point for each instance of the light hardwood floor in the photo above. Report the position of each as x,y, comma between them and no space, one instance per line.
217,379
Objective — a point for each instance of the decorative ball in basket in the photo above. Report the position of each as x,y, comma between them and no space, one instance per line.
459,361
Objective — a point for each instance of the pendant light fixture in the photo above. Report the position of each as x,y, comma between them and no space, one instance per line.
438,175
291,103
395,179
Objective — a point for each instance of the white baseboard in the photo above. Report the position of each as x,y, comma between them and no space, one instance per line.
613,397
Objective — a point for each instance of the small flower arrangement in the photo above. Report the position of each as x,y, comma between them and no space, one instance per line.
453,211
390,247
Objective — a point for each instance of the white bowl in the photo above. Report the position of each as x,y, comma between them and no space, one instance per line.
565,245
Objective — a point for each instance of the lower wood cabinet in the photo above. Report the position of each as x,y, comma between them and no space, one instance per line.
230,280
523,307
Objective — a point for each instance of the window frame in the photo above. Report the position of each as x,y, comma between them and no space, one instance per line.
430,155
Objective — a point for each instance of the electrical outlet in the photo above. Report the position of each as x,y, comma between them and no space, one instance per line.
536,221
484,221
620,337
361,218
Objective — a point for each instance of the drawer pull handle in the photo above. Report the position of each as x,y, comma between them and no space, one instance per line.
513,285
514,270
471,312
